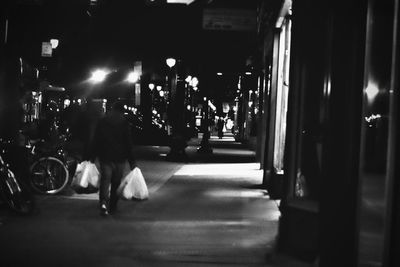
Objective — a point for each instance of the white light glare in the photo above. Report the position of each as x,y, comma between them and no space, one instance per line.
187,2
237,170
67,102
98,76
195,81
151,86
132,77
371,91
54,43
373,117
219,73
211,105
159,87
171,62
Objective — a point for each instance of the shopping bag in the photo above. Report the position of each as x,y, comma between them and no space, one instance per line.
133,186
93,175
77,180
86,176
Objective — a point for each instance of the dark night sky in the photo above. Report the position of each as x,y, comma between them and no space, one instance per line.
118,34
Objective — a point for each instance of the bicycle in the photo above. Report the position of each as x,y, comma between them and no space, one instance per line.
13,191
50,167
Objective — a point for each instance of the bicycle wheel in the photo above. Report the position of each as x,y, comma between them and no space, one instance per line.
15,194
48,175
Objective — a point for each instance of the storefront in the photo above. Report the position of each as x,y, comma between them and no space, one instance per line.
276,94
339,202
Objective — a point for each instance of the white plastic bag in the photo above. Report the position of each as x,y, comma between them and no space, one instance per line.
133,186
86,174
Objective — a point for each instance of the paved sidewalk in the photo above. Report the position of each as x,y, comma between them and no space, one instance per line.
155,169
200,213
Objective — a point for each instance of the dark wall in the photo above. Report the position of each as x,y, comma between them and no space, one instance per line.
325,103
339,188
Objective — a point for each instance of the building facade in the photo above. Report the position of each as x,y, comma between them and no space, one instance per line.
331,123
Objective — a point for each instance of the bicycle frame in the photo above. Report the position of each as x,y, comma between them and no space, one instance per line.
18,198
49,167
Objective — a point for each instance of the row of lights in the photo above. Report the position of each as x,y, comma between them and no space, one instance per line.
192,81
100,75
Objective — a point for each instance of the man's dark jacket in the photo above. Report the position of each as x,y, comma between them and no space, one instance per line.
112,140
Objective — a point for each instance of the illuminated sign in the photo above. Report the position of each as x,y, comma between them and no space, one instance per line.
47,50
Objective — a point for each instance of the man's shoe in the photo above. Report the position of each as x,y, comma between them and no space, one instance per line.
113,210
104,210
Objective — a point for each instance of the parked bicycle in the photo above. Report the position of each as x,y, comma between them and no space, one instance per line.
50,166
13,191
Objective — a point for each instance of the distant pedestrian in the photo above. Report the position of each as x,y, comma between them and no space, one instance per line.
112,146
220,126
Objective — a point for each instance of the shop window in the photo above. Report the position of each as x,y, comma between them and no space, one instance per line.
282,96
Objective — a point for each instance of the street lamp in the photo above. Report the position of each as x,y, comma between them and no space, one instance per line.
98,76
176,111
195,82
205,146
133,77
192,83
151,87
171,62
188,79
54,43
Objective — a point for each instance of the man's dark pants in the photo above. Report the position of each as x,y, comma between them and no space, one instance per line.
111,173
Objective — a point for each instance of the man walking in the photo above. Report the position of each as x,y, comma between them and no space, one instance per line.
112,146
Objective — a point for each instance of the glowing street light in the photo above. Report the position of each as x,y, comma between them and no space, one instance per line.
98,76
195,82
371,91
54,43
133,77
188,79
159,87
151,86
171,62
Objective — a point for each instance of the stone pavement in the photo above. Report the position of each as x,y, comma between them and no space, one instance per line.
207,212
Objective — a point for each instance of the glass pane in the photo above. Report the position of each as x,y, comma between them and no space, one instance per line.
282,97
309,169
314,110
374,140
